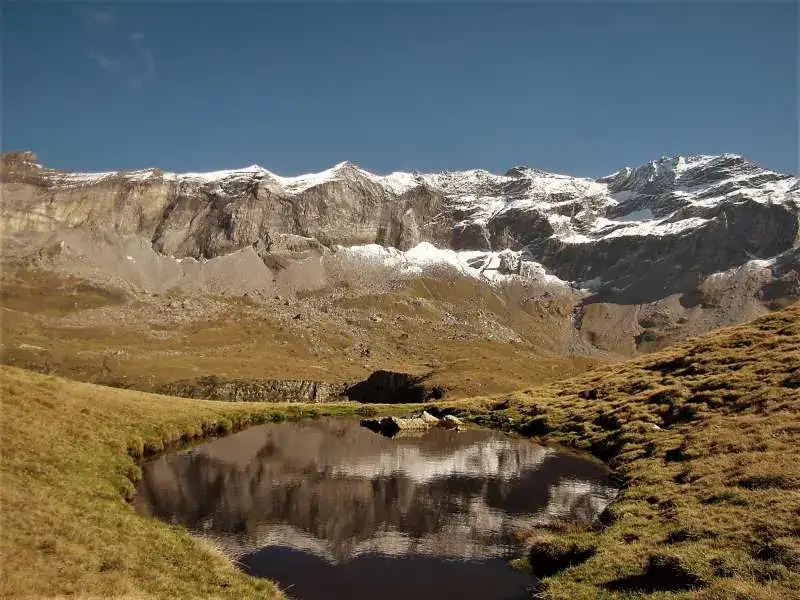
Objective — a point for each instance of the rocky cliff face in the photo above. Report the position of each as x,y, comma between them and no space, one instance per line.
250,390
210,214
635,236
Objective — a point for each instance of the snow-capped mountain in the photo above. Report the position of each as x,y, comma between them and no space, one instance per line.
636,235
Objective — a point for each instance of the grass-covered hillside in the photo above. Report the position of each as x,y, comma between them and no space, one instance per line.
706,438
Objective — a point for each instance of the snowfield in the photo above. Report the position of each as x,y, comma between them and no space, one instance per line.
491,266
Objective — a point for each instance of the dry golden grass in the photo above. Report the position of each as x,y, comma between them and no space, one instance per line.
245,341
67,467
704,437
706,440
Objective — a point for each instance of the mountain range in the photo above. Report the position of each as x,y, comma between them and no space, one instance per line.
634,260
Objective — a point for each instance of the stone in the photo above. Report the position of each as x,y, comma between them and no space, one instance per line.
429,418
390,426
452,422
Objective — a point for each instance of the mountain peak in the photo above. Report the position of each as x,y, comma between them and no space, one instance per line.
517,171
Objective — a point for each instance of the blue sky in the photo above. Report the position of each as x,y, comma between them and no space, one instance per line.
580,88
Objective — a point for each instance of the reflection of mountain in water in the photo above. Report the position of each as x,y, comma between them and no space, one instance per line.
335,489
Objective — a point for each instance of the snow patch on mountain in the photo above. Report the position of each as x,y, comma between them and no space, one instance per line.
398,182
78,179
491,266
644,214
214,176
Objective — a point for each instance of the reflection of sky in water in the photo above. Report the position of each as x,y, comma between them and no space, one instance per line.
338,490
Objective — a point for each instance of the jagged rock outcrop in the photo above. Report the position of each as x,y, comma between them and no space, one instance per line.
207,215
254,390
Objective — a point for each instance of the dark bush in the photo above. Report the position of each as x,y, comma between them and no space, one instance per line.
729,497
688,535
608,421
780,553
389,387
677,454
765,482
663,572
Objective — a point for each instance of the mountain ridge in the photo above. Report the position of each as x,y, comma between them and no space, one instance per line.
29,157
670,221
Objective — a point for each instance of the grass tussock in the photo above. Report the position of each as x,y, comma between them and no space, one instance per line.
69,463
705,439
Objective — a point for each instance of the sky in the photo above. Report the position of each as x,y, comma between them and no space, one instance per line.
577,88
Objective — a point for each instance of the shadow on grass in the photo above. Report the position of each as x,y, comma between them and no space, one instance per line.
662,573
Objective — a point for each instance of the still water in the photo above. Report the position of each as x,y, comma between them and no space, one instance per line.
329,509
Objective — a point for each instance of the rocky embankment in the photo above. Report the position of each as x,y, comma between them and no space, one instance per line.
212,387
381,387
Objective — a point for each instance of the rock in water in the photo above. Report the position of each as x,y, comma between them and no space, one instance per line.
390,426
452,422
429,418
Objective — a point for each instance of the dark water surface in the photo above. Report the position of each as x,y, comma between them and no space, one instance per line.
329,509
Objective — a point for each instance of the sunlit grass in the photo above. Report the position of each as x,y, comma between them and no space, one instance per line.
704,437
706,440
67,467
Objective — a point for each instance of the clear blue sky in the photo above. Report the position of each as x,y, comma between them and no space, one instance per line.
580,88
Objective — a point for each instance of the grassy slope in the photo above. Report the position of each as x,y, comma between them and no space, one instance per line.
711,498
66,470
50,323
